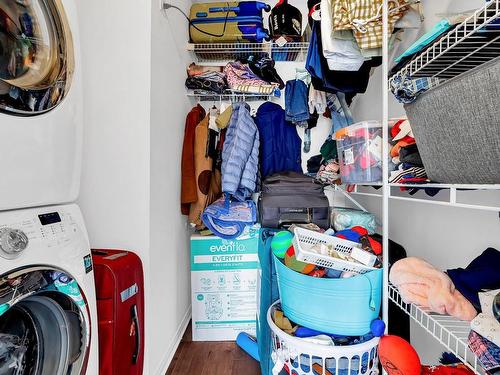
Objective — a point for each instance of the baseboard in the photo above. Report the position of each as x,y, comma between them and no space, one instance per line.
177,339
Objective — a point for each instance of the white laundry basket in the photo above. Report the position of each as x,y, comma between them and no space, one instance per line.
299,356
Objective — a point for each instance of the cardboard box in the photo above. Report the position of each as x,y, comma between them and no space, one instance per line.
224,285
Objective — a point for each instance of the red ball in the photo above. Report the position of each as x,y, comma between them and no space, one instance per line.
398,357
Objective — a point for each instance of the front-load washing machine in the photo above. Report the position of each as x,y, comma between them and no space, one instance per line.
40,103
48,322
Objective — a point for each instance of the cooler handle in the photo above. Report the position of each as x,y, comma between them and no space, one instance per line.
135,321
223,9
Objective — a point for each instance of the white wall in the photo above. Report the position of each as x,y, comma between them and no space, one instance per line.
115,178
169,250
134,122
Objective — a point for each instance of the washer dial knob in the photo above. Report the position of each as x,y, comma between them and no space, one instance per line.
12,242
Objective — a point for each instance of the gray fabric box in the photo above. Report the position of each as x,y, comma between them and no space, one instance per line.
457,128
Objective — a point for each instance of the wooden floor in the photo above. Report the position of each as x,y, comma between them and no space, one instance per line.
211,358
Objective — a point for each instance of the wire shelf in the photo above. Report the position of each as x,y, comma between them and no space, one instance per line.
449,331
469,45
450,186
227,96
210,52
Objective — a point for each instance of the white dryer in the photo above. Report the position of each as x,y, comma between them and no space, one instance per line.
48,321
40,103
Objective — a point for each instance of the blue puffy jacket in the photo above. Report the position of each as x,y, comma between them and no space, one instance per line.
240,154
279,141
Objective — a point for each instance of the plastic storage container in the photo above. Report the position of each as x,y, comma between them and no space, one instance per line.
344,306
360,152
304,240
301,357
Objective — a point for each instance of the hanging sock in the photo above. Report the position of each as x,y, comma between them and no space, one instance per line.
307,140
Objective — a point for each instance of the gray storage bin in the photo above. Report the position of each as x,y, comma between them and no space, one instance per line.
457,128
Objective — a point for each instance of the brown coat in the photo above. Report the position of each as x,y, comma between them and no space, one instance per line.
188,177
203,171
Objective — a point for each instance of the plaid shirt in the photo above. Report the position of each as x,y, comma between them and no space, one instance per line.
346,11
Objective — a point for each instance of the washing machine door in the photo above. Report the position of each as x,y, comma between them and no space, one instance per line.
44,324
36,56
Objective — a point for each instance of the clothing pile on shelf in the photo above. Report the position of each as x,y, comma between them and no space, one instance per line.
471,294
206,79
255,75
407,163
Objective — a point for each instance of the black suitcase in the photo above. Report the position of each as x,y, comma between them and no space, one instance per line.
291,197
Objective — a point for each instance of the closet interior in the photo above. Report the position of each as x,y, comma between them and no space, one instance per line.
394,114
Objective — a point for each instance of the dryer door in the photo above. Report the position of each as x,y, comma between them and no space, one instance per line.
44,325
36,56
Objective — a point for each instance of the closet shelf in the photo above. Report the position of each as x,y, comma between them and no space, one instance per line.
449,331
230,96
451,186
450,200
223,52
469,45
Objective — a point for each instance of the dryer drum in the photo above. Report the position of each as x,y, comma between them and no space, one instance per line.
36,56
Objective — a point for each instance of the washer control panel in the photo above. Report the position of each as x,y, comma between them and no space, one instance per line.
46,229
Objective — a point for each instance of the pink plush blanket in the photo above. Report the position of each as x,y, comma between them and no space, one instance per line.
420,283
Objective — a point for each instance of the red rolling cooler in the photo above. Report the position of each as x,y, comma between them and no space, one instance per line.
120,310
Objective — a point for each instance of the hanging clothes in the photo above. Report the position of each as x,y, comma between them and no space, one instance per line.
188,177
364,17
332,81
296,102
279,141
224,117
240,156
340,54
207,188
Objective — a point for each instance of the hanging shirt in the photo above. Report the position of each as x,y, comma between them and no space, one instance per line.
347,13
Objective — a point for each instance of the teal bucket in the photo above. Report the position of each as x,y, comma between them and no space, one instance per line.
335,306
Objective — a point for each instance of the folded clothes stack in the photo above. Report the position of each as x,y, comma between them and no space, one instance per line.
240,78
207,82
409,168
254,76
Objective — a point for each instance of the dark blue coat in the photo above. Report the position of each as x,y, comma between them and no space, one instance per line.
279,141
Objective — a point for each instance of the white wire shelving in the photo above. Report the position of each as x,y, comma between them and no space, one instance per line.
470,44
227,96
451,199
449,331
223,52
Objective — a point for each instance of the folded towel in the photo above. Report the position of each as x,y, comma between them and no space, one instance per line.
228,219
